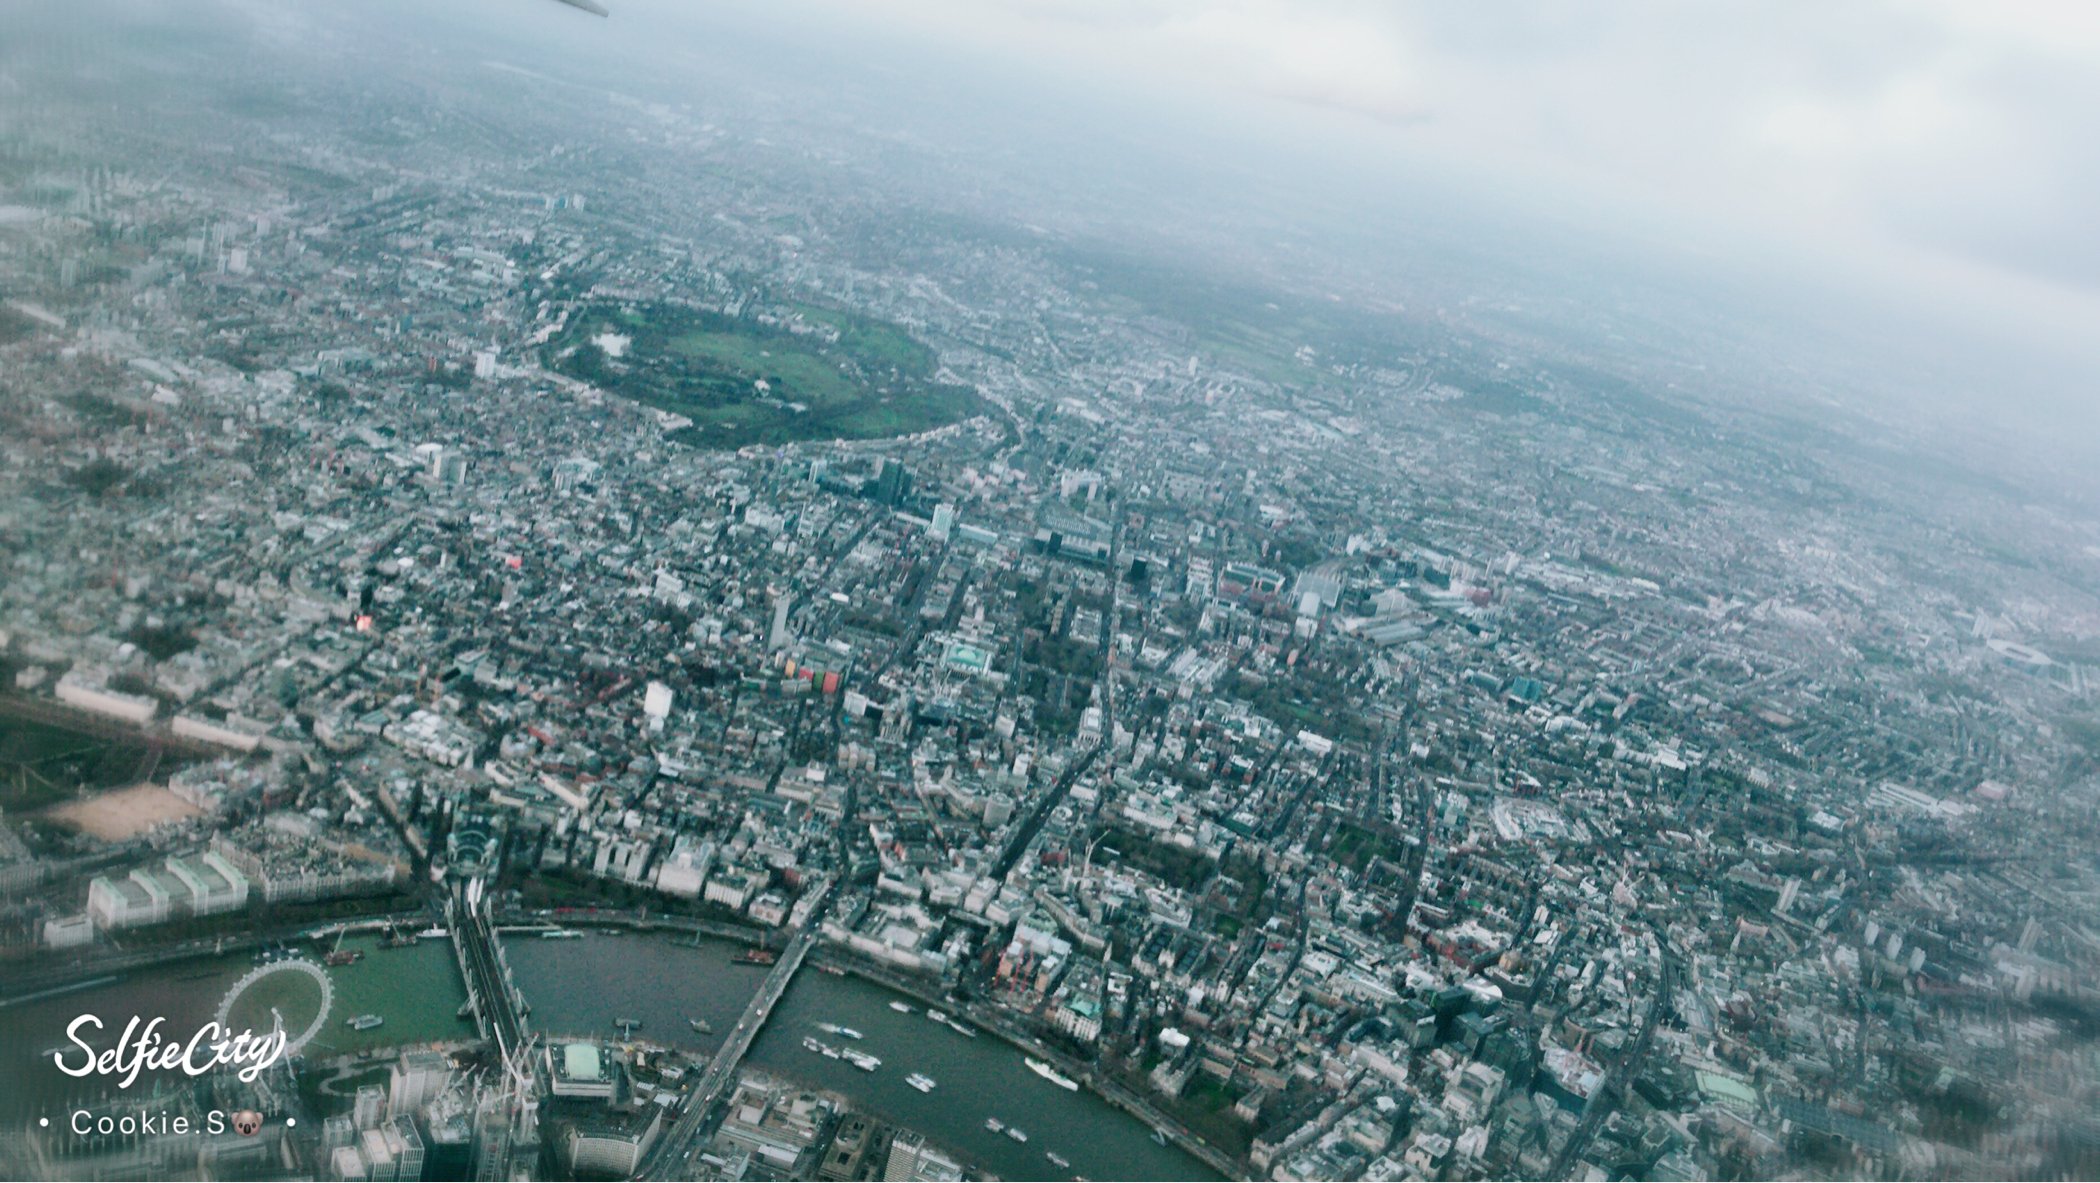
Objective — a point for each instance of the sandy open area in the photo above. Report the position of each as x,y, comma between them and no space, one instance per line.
118,814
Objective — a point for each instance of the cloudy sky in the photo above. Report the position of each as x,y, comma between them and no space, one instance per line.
1927,146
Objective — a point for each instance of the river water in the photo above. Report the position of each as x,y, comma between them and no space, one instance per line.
415,989
582,986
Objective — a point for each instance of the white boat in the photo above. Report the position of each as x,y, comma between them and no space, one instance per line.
1017,1133
1057,1159
363,1022
835,1029
860,1060
920,1081
561,934
1051,1074
433,933
995,1125
961,1030
900,1008
935,1015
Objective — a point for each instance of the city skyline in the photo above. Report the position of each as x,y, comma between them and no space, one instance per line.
749,593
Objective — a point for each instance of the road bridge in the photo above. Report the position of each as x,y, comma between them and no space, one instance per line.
673,1156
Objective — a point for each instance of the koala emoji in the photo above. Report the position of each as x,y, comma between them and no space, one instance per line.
247,1123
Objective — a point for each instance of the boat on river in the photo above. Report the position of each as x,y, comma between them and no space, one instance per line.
1051,1074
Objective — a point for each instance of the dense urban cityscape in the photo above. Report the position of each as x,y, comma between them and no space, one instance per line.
631,648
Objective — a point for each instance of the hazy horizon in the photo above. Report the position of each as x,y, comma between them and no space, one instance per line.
1233,151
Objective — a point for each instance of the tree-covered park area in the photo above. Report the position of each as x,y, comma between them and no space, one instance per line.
798,372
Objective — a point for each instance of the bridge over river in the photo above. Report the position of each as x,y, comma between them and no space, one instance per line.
499,1008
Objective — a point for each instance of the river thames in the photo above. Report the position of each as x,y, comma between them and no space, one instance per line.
414,989
581,986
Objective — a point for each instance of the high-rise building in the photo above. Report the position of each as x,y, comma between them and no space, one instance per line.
656,703
370,1108
491,1146
892,482
408,1150
911,1158
998,810
415,1081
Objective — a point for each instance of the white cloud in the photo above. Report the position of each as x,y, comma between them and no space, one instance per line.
1918,137
1332,59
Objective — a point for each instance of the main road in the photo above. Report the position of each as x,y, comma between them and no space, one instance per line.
1025,834
1604,1100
